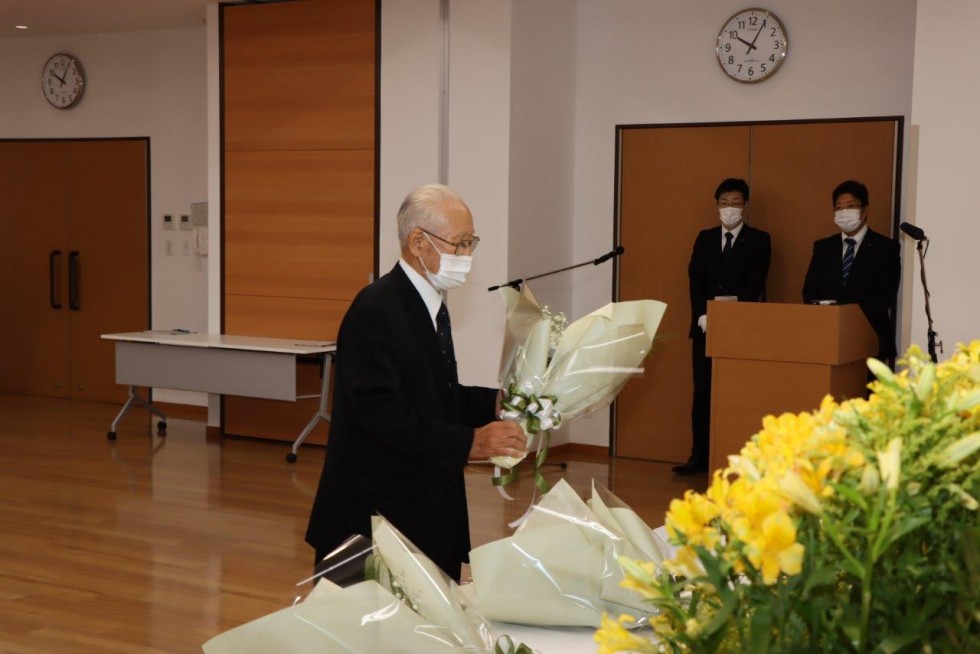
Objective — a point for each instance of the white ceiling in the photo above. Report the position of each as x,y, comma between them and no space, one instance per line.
50,17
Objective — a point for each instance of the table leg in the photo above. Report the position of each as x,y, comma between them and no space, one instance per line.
134,399
321,413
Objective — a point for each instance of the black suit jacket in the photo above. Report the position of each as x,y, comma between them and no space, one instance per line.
744,274
401,429
872,283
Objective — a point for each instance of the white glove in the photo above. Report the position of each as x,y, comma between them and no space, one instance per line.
703,323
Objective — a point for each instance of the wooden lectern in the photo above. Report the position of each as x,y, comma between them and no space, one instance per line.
777,358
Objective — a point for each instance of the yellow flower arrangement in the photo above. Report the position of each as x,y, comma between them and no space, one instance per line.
854,528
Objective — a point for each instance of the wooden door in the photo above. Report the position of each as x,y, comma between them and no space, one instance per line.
668,181
33,268
107,191
795,168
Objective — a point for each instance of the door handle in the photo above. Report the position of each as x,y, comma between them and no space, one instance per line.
52,276
73,281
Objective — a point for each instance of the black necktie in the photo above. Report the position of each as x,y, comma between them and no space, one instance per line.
725,251
848,262
445,334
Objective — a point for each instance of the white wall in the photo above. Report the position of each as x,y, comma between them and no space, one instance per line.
411,74
479,128
542,146
945,96
654,62
542,150
138,84
478,140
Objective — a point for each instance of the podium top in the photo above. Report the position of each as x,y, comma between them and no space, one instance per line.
795,333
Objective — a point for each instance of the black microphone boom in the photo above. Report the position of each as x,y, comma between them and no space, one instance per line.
913,232
516,283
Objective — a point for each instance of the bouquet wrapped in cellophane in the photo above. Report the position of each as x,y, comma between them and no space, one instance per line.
562,566
380,596
552,373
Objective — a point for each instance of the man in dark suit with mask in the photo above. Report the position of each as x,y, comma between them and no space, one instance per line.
729,261
857,266
403,428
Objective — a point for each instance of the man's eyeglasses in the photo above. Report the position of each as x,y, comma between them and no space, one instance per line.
469,245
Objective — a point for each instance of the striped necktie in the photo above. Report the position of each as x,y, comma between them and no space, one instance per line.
848,262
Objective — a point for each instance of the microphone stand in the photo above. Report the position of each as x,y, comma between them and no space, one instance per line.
931,334
516,283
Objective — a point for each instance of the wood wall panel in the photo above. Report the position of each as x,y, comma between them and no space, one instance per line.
300,75
300,119
301,318
795,169
669,176
301,223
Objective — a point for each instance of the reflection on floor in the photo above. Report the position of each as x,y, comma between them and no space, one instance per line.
153,544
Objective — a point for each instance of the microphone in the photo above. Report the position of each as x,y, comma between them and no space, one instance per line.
913,232
609,255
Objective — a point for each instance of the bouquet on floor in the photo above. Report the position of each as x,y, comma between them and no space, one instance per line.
562,566
552,373
855,528
380,596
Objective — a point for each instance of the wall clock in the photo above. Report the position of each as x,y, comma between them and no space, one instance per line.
63,81
752,45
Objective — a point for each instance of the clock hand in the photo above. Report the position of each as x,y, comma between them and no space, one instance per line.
756,36
60,79
751,47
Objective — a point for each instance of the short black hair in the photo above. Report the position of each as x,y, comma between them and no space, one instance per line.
857,189
733,184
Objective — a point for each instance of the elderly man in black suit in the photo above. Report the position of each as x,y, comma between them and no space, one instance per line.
729,261
403,427
857,266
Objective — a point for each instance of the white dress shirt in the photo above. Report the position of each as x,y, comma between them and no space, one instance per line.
432,298
857,237
734,233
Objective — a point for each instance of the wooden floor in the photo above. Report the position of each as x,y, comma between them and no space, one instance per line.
156,544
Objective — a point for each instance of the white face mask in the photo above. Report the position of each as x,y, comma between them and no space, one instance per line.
730,216
848,220
453,269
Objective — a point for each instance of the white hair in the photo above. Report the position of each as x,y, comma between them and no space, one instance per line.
423,208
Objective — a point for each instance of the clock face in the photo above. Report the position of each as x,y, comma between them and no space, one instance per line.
752,45
62,81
